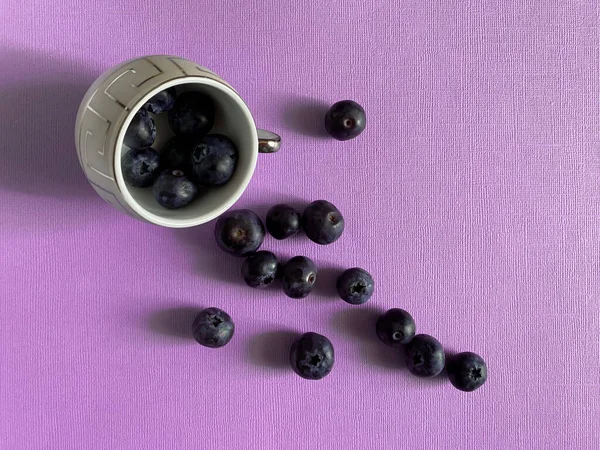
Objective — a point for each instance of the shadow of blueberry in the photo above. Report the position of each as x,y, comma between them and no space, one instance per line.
306,116
174,322
358,323
272,348
326,281
210,260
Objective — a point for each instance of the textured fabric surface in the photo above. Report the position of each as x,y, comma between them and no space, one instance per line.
472,197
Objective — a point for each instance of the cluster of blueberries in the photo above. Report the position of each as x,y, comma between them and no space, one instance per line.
241,233
189,163
194,160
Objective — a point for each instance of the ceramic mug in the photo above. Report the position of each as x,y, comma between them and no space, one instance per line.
111,102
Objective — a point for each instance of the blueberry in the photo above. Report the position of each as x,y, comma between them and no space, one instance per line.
193,113
239,232
141,132
161,102
467,371
177,154
213,328
312,356
395,328
260,269
424,356
298,277
214,159
322,222
355,286
345,120
173,190
140,167
283,221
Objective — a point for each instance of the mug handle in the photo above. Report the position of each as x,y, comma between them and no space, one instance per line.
268,142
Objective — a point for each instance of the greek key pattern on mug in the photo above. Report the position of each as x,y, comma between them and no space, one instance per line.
109,104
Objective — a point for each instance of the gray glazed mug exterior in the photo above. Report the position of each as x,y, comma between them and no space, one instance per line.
111,102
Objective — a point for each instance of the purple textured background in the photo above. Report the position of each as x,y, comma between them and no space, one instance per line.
473,198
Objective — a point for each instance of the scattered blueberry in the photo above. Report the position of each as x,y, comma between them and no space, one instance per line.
213,328
395,328
298,277
283,221
260,269
161,102
312,356
173,190
345,120
322,222
177,154
467,371
355,286
193,113
239,232
214,159
141,132
424,356
140,167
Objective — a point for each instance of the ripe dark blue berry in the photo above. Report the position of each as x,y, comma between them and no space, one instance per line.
260,269
395,328
312,356
283,221
239,232
298,277
424,356
213,328
466,371
345,120
177,154
140,167
214,159
355,286
193,113
323,223
161,102
173,190
141,132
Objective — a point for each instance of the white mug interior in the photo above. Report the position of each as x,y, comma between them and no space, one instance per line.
233,119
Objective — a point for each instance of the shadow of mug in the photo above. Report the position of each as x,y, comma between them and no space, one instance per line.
39,100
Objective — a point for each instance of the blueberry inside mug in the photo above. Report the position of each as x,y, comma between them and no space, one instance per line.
109,106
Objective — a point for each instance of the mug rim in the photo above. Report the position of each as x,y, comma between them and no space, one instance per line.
215,212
